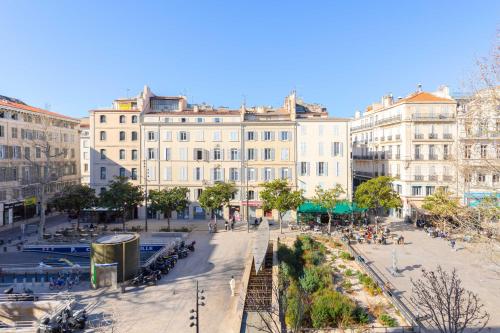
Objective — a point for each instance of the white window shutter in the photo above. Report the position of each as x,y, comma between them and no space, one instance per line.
289,135
222,154
222,174
272,154
289,173
178,136
326,168
211,174
256,154
341,149
272,173
317,168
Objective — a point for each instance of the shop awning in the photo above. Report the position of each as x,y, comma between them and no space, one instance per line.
343,207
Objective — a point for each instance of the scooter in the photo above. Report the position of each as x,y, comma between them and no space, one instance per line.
190,247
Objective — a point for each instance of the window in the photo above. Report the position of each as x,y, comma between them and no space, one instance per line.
198,193
151,136
217,120
133,174
167,136
303,148
198,174
251,136
320,130
251,174
122,154
418,154
285,136
234,174
217,174
122,172
102,190
429,190
134,119
199,136
432,152
102,119
498,151
304,168
217,135
14,132
446,151
268,135
285,154
103,154
122,119
481,177
122,135
321,169
183,136
134,154
150,173
167,154
27,152
268,174
103,173
183,154
416,191
183,120
151,154
251,154
183,173
320,148
484,150
467,151
134,136
167,173
337,149
268,154
233,136
72,152
2,131
235,154
200,120
38,153
251,195
103,135
285,173
86,167
495,178
217,154
198,154
303,130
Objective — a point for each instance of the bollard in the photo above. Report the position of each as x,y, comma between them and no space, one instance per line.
42,281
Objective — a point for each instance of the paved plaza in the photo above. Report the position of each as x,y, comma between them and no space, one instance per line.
423,252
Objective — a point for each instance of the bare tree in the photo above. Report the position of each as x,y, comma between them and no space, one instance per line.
448,307
267,312
45,161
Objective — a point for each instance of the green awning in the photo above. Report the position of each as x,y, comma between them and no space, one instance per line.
343,207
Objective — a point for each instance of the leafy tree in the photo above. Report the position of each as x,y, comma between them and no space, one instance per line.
439,296
168,200
377,193
278,195
328,199
217,196
442,205
75,198
122,196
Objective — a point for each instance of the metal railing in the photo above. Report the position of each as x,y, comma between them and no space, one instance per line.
447,136
433,136
431,116
433,178
419,177
419,136
433,157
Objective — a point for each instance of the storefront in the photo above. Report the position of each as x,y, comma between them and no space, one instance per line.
252,207
198,213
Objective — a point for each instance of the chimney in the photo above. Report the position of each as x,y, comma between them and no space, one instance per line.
419,87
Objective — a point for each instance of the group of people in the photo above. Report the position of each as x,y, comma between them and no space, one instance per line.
228,225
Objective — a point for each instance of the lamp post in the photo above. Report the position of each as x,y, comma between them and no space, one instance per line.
145,196
196,313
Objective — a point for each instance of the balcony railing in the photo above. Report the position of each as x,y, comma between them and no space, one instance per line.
447,178
432,117
419,157
388,120
398,156
447,136
433,136
419,136
382,138
419,177
433,178
389,137
433,157
398,136
389,156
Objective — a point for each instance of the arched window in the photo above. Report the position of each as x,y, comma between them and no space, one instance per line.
122,135
122,119
251,195
134,136
134,119
102,118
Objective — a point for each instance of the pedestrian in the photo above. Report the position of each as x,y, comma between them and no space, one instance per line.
226,225
452,243
232,285
209,227
255,221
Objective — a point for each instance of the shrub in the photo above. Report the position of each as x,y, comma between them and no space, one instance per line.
370,286
347,285
330,309
293,265
342,266
295,308
315,278
361,316
314,257
387,320
346,255
348,272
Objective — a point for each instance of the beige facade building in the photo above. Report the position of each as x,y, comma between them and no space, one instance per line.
195,145
25,133
85,151
414,140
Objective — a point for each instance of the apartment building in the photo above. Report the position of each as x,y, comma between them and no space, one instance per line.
412,139
479,145
25,134
197,145
85,151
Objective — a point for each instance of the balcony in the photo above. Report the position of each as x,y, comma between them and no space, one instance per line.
447,136
361,157
433,157
419,136
363,174
447,178
419,177
432,117
398,136
447,157
388,120
389,156
433,136
389,138
382,155
433,178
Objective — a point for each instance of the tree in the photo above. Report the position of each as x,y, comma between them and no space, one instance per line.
216,196
122,196
443,206
377,193
278,195
75,198
328,199
168,200
450,308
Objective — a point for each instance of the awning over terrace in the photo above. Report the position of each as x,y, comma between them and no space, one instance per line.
343,207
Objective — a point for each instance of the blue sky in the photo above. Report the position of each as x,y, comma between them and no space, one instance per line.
78,55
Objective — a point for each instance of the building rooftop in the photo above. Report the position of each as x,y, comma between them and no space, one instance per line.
25,107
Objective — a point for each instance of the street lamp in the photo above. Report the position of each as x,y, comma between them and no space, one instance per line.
195,317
